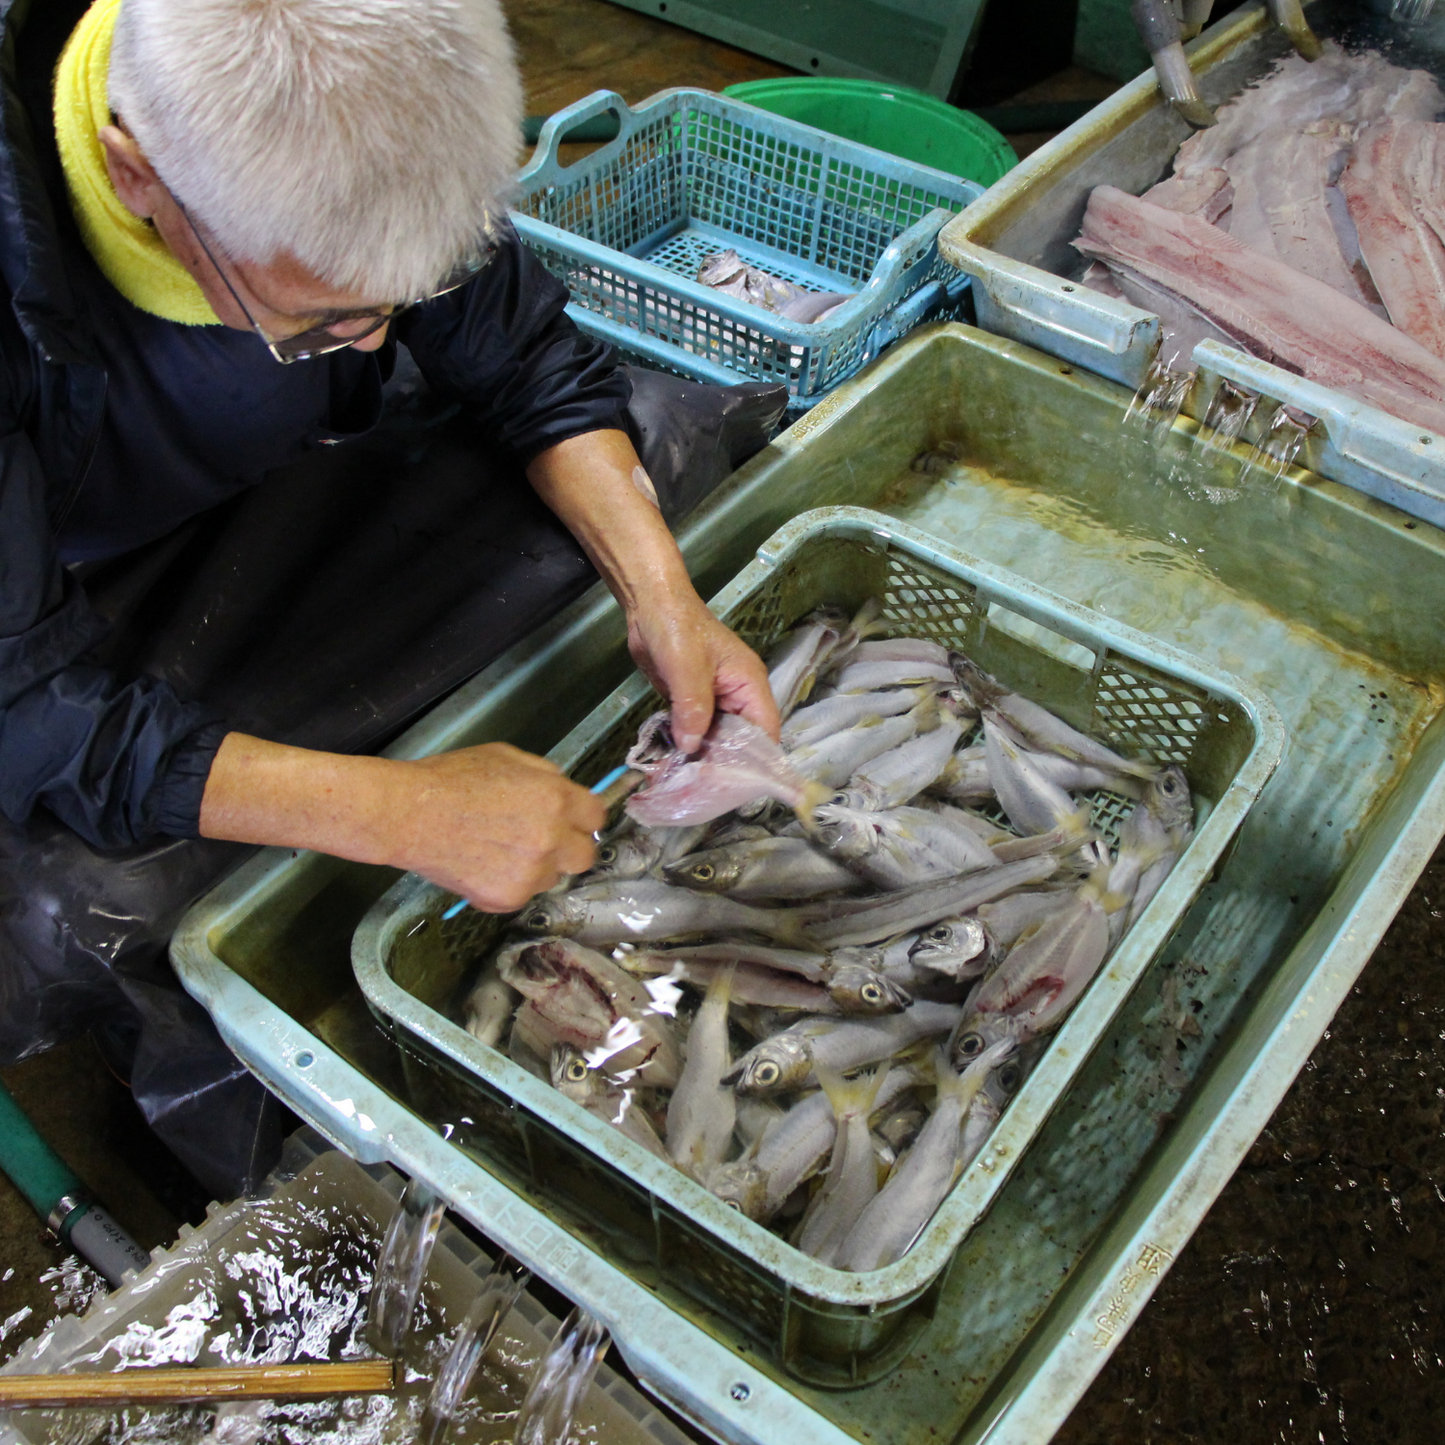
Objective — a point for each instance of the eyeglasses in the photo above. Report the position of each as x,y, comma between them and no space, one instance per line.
316,336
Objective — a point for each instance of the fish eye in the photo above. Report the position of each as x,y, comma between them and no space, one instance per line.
970,1046
535,921
733,1204
704,872
940,934
871,993
577,1070
1008,1077
607,854
767,1073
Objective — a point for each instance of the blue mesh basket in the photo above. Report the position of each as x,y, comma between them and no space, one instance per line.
691,173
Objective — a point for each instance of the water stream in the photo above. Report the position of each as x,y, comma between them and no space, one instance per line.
1156,405
478,1330
401,1267
561,1379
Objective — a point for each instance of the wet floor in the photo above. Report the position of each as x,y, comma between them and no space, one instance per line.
1307,1307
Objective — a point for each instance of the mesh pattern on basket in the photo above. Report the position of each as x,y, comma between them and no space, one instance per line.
698,174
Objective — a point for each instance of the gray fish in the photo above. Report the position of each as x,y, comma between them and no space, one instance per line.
965,777
576,1079
856,988
899,848
1037,984
1008,918
848,921
901,649
793,1149
1032,802
702,1112
836,714
852,1172
763,871
1154,835
894,777
578,997
834,759
871,676
785,1061
888,1227
814,967
647,910
1039,728
631,854
959,948
763,987
793,664
489,1006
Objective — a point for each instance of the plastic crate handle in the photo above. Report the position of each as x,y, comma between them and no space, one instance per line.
923,305
556,128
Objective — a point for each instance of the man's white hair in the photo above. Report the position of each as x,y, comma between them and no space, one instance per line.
373,140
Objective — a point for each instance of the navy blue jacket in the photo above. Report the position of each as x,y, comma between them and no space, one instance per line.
87,384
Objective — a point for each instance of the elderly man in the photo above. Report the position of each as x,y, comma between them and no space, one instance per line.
220,218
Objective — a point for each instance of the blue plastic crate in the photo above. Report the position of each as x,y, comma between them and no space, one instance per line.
691,173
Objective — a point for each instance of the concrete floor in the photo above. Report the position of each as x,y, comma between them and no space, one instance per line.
1306,1308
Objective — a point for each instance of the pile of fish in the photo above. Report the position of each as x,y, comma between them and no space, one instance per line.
813,975
1307,227
727,272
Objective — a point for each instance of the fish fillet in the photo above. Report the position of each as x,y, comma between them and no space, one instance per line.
1350,90
1396,196
1206,193
1280,182
1286,316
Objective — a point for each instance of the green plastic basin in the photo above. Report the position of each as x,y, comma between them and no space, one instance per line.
905,123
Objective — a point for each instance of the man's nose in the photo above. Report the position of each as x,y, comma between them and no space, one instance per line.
370,343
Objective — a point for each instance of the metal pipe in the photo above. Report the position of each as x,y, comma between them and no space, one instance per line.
1290,18
1158,28
1194,16
60,1199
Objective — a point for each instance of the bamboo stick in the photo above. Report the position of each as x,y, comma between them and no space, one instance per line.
223,1382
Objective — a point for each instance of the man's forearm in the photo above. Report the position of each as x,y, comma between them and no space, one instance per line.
588,482
263,792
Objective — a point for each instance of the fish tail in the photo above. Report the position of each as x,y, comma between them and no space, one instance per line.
850,1096
813,797
867,620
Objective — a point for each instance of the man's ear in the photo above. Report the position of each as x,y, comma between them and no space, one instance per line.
132,175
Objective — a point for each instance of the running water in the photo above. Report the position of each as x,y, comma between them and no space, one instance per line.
1411,12
561,1380
1156,405
1276,449
492,1305
401,1266
1224,422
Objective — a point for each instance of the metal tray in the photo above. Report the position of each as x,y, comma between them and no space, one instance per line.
824,1325
1323,600
1014,244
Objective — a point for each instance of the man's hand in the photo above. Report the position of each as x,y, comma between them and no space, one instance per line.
495,824
688,654
697,664
492,823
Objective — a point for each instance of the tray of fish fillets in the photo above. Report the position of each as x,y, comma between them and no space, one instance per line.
1278,275
796,1026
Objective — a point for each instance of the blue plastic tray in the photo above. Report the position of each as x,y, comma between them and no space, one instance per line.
692,173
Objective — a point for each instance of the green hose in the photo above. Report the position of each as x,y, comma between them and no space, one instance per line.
60,1199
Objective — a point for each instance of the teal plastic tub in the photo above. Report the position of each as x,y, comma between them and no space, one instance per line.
825,1325
910,124
1323,600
